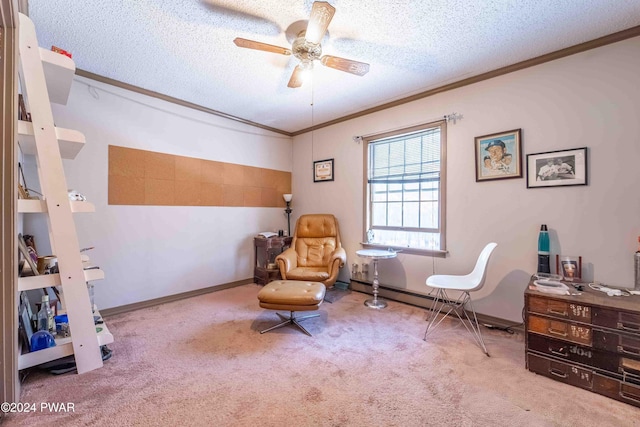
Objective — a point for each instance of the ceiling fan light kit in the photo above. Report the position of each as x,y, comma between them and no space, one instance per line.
306,47
305,50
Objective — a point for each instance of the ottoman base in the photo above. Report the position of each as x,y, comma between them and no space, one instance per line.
291,320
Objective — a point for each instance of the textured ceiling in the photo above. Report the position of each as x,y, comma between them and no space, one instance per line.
184,48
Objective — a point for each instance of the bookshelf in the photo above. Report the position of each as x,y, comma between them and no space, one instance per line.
46,77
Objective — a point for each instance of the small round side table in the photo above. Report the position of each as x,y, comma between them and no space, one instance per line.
375,255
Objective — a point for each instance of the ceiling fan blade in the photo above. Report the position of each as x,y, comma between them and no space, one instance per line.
348,65
251,44
296,77
321,15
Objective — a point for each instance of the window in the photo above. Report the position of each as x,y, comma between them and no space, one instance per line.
406,187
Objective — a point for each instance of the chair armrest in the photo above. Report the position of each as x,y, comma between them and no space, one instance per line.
287,261
338,255
336,262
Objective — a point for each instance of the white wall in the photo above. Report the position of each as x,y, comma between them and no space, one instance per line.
154,251
589,100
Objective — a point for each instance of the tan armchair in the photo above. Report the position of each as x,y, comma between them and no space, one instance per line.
316,254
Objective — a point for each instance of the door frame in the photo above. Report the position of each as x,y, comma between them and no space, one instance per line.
10,384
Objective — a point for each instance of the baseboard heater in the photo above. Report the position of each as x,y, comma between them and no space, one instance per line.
425,301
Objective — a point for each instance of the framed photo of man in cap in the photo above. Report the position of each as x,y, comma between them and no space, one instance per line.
499,155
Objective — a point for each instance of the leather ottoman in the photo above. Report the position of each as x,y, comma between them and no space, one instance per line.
292,295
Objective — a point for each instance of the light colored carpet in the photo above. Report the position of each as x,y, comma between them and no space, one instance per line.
203,362
335,294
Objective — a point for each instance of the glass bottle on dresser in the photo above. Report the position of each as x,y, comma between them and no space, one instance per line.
45,316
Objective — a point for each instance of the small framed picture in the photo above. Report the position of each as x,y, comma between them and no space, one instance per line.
569,267
499,155
557,168
323,170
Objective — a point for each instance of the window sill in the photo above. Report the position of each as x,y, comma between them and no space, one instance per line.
405,250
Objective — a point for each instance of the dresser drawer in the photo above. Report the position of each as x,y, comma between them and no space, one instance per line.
611,363
621,390
561,371
630,370
619,320
626,345
559,329
560,309
574,353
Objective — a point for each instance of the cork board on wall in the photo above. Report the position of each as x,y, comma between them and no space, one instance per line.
140,177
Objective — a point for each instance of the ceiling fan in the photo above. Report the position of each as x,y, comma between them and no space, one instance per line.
307,48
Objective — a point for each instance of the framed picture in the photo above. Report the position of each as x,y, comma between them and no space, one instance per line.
557,168
569,267
323,170
499,155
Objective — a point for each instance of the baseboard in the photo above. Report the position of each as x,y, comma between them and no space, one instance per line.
425,301
176,297
411,298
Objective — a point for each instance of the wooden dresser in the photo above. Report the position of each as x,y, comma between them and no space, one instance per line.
590,341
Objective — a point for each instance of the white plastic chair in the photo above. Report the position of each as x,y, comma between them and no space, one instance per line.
473,281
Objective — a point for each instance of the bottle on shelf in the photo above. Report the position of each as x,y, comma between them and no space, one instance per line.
90,289
543,250
45,316
636,285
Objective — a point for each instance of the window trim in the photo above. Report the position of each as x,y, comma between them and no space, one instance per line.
443,190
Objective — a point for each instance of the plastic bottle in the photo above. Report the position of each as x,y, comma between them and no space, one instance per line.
45,316
543,250
637,267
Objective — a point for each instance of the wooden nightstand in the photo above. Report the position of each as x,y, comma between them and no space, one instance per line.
265,252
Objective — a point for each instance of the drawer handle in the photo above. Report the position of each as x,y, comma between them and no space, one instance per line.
622,326
634,376
559,313
558,333
629,396
558,373
560,352
633,352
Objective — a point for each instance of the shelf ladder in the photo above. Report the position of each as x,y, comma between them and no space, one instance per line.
62,231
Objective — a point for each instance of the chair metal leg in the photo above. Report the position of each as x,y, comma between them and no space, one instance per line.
441,300
291,320
436,308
